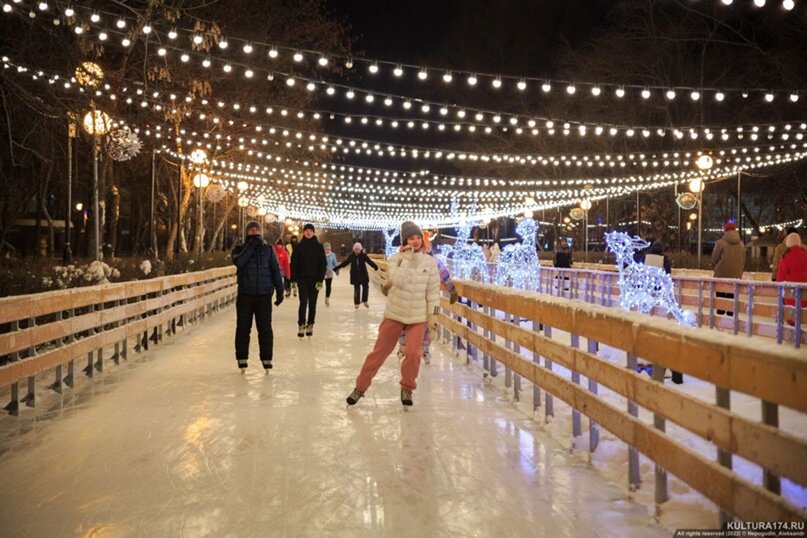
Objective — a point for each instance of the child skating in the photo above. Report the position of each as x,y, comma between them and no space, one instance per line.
359,277
330,271
412,304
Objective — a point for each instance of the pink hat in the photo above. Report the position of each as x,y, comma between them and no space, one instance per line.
792,240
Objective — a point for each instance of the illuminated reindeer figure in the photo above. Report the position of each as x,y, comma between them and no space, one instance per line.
469,260
389,237
643,287
518,264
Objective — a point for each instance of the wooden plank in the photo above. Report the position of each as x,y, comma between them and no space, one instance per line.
717,483
703,353
762,444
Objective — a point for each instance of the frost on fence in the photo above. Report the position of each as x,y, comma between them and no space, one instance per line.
643,287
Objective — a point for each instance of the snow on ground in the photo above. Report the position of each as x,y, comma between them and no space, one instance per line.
178,442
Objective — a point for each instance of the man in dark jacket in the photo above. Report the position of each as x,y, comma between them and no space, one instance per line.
258,276
308,271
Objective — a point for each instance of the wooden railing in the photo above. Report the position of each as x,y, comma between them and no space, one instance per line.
48,331
491,324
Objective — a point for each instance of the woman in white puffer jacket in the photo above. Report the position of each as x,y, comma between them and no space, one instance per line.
412,303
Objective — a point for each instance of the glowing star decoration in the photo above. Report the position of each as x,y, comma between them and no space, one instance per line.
89,75
215,193
518,265
389,237
686,200
122,144
643,287
469,259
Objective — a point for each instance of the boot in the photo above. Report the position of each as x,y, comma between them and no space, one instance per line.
406,397
327,301
243,366
354,397
366,304
357,306
301,331
309,329
427,358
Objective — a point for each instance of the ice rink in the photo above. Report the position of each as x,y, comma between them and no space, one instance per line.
177,442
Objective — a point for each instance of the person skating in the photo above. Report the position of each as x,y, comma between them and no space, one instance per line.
412,303
446,284
308,272
728,259
258,275
285,265
290,249
330,271
358,261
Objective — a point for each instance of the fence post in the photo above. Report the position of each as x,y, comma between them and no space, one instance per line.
487,362
516,378
736,324
661,493
749,311
634,476
770,416
536,358
593,427
549,410
797,320
577,427
723,399
780,312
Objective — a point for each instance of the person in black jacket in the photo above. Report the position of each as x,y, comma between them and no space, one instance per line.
258,276
308,271
359,278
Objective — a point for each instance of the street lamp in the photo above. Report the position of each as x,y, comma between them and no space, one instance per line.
704,163
201,181
72,131
96,123
243,202
585,205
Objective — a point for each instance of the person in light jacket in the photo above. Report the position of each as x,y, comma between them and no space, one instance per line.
412,306
330,271
358,261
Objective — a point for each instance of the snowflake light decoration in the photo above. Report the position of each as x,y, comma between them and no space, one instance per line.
122,144
518,264
643,287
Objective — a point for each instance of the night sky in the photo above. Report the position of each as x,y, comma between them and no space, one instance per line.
508,36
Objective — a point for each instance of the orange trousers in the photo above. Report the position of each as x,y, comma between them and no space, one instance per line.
388,334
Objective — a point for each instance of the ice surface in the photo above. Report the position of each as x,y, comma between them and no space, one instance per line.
178,443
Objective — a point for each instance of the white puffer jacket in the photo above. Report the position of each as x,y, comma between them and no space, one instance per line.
415,292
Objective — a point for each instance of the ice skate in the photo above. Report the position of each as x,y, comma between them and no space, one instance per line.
309,330
427,358
356,306
400,354
354,397
327,301
267,365
406,397
242,365
366,304
301,331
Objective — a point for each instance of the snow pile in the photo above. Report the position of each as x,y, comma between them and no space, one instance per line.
71,276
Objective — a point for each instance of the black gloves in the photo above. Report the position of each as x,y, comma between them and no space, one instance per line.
278,297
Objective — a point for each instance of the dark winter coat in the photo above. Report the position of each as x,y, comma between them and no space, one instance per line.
563,259
728,257
656,248
308,261
358,267
258,270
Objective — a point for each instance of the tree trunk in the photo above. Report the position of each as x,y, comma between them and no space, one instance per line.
220,224
114,218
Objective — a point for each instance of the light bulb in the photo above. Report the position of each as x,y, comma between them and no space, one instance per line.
298,56
695,96
349,63
398,71
146,29
69,12
373,68
223,44
570,89
323,61
448,77
794,97
172,34
125,42
184,57
768,96
227,68
546,87
103,36
248,73
788,5
273,52
719,96
95,17
161,51
369,98
645,94
759,3
121,23
290,81
522,85
310,86
247,48
350,94
497,83
596,91
670,94
620,92
206,62
727,2
422,74
330,90
197,39
472,80
43,6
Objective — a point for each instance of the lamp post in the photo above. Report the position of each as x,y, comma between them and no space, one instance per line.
96,123
585,205
198,157
201,181
704,163
243,202
67,255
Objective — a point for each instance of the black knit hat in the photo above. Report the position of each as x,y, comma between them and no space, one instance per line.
253,224
308,226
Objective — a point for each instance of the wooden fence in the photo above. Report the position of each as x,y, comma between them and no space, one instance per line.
48,331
